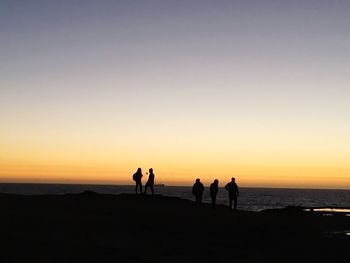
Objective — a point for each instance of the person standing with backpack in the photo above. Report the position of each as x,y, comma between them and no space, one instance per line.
137,178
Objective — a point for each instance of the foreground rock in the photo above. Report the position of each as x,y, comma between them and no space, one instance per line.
90,227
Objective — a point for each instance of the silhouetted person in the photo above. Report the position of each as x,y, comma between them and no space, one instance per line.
232,189
137,178
197,191
150,181
214,189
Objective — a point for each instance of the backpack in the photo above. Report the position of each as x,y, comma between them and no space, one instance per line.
134,176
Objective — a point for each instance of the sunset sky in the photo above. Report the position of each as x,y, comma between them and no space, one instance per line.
259,90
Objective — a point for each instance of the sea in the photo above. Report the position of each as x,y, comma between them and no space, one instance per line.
251,199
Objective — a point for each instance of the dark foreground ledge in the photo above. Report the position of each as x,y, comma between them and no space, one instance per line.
91,227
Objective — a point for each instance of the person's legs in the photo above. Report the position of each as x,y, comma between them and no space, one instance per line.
230,204
151,186
146,186
138,185
235,203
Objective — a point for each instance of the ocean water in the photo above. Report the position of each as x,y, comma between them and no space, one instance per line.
252,199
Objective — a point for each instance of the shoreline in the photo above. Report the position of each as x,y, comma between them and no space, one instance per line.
309,209
301,208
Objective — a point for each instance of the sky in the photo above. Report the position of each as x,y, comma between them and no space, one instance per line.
259,90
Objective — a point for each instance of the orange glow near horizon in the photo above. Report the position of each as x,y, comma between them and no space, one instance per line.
279,159
98,164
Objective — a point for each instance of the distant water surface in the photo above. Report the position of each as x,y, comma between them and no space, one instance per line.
253,199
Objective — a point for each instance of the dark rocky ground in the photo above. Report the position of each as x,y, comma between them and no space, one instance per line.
91,227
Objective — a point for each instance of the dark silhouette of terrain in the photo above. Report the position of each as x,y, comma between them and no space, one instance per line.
92,227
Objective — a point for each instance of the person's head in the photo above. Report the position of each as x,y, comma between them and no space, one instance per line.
233,179
150,170
198,180
216,181
139,170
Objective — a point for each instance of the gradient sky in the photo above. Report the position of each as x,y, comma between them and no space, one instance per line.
260,90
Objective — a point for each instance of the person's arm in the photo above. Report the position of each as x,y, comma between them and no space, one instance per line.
237,191
226,187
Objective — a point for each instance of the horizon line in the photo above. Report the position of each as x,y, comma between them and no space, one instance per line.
169,185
